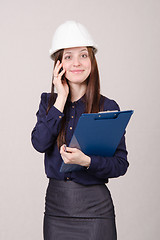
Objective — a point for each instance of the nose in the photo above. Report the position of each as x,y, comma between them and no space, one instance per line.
76,62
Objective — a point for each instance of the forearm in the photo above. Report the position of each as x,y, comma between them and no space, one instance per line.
60,102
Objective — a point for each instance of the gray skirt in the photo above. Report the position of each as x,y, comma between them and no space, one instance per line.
75,211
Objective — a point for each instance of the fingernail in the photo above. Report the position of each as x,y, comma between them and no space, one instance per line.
65,147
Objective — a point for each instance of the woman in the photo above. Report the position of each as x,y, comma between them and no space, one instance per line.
78,204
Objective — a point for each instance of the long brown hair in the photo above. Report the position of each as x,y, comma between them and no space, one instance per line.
92,95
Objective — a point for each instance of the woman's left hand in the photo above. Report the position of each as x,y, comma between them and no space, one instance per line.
74,156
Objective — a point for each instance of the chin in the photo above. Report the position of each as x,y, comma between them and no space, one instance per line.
76,79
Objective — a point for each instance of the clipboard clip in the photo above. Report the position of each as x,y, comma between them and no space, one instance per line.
109,115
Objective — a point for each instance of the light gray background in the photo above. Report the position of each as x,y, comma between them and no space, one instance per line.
128,36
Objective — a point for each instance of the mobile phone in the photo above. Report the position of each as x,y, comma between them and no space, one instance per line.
60,72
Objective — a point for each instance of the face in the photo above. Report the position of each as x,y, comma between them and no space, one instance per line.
77,64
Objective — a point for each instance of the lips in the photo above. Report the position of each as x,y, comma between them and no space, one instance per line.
76,71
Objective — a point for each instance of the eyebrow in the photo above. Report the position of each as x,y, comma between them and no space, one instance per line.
71,52
85,49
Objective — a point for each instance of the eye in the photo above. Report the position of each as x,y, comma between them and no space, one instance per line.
67,57
85,55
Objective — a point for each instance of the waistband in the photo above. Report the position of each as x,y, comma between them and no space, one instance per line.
71,184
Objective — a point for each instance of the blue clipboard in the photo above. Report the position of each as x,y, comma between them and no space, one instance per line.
98,134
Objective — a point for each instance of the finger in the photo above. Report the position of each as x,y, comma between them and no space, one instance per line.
64,154
57,63
62,148
67,155
61,73
57,68
66,161
71,150
57,77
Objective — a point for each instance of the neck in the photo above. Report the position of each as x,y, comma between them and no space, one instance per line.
77,91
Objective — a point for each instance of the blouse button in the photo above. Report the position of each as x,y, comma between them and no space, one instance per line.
72,117
70,128
72,106
60,116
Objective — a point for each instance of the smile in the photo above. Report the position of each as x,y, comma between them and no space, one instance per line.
76,71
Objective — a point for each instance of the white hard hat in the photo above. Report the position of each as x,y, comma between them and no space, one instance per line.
71,34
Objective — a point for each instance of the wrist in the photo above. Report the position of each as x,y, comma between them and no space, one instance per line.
87,162
60,102
62,96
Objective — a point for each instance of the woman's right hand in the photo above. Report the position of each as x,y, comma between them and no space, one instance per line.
61,87
60,84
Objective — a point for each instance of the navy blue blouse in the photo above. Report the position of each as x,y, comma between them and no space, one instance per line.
44,137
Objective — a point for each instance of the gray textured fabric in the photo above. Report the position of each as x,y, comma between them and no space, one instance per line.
75,211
